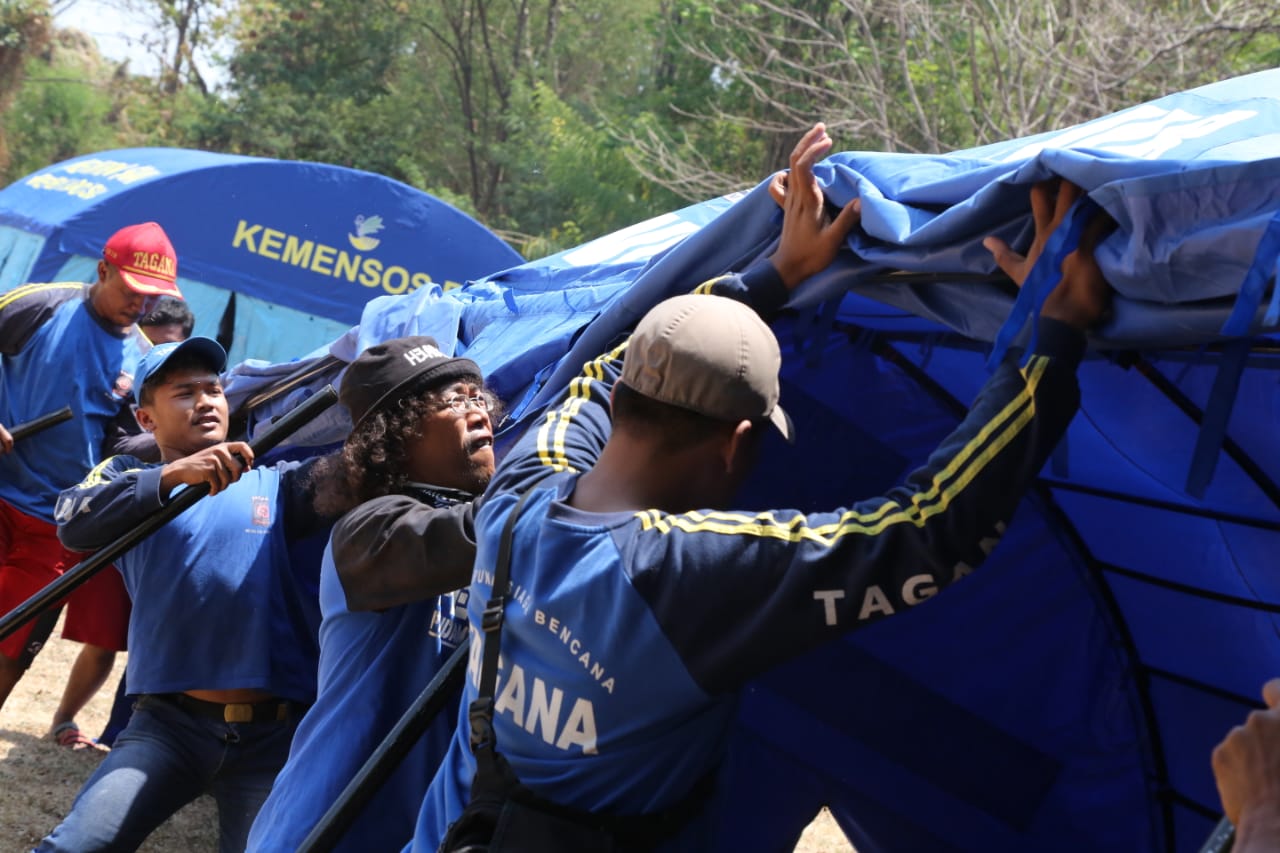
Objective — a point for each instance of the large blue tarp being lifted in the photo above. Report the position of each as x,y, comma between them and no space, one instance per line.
302,245
1067,695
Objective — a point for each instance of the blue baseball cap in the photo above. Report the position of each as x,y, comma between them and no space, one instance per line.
207,348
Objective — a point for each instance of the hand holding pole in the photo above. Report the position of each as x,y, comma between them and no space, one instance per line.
54,592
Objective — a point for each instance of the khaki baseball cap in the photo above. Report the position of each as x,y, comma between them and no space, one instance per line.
711,355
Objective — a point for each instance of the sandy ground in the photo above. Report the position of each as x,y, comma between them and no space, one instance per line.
39,780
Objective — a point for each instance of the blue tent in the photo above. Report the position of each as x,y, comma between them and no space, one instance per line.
1067,695
303,246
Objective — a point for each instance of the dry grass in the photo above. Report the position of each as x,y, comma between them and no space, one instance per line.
39,780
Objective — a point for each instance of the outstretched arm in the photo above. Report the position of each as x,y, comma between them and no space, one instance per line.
808,578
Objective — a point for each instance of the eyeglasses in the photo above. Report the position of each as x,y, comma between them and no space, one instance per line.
459,403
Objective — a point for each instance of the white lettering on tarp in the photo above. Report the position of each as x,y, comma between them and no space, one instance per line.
323,259
78,187
74,179
114,170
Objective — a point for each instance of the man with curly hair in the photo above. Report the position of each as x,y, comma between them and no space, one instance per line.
420,451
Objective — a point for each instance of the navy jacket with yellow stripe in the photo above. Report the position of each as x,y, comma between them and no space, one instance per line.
627,634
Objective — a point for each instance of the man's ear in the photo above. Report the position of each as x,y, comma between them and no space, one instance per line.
739,449
144,419
102,270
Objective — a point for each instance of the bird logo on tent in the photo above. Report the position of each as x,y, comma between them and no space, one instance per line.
366,226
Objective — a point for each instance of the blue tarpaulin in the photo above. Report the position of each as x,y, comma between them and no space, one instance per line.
1067,695
303,245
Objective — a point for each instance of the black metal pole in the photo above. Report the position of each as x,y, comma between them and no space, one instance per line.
100,559
378,768
31,427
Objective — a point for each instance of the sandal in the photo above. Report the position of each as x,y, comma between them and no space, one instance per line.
68,734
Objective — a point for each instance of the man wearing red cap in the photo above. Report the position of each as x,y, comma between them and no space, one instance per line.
80,343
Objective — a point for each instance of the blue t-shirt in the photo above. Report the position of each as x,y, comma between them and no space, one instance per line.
628,634
54,351
372,668
216,602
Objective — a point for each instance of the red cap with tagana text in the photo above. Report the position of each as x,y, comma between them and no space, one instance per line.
145,258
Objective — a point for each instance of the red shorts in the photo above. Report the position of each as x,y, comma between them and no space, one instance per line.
31,557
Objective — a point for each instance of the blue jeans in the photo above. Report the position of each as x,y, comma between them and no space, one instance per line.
164,759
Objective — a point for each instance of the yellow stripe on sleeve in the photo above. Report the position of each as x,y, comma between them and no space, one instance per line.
552,433
704,289
967,464
95,478
7,299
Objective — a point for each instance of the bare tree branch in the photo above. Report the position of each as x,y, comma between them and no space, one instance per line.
938,75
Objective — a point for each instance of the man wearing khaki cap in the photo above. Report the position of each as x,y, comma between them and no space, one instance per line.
77,343
638,604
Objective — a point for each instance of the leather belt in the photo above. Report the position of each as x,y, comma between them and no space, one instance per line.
268,710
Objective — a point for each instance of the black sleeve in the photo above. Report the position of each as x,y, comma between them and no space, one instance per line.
298,485
24,309
119,494
395,549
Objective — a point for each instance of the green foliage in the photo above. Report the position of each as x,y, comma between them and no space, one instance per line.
21,22
554,122
59,112
24,28
319,81
337,48
569,178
